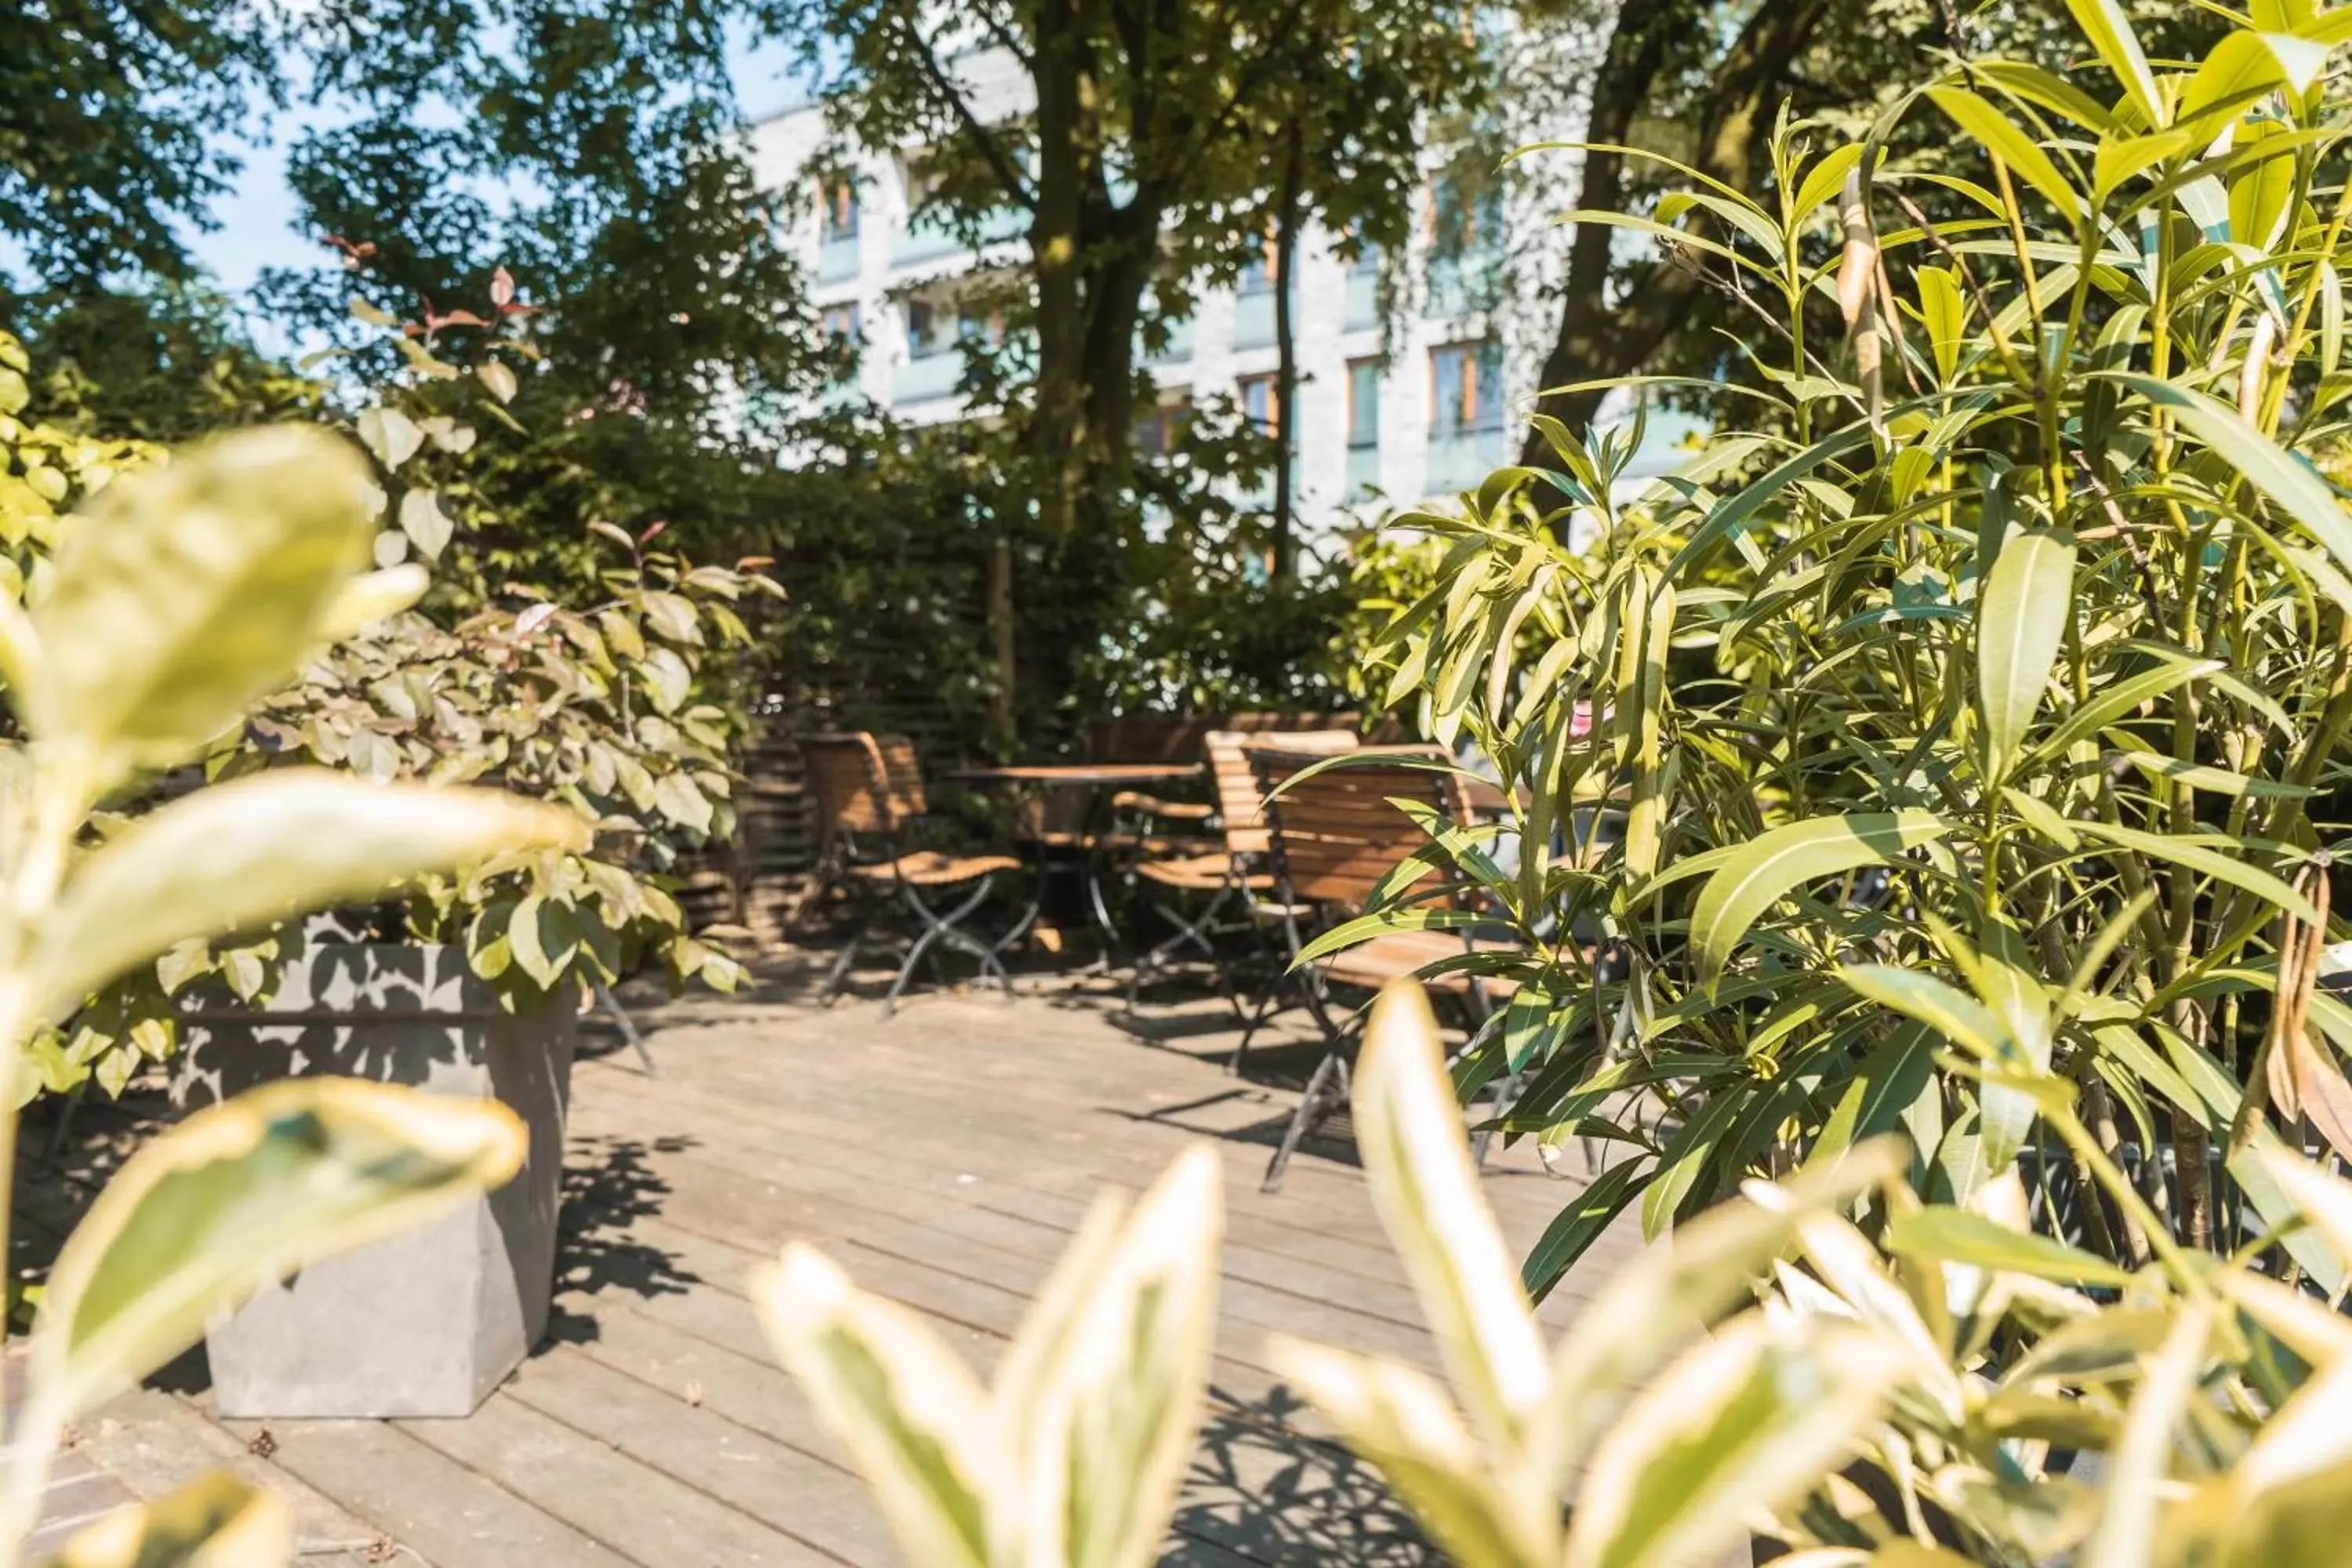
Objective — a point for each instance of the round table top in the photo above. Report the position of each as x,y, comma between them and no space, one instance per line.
1076,773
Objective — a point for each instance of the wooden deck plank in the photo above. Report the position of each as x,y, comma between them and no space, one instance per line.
155,1443
631,1509
943,1158
672,1428
445,1510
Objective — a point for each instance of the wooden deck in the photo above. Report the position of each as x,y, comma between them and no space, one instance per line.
942,1157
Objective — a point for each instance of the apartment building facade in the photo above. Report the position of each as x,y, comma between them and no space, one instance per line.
1414,370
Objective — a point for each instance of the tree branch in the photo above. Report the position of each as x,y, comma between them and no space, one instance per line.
1000,162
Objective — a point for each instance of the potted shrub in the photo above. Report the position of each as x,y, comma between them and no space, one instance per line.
470,984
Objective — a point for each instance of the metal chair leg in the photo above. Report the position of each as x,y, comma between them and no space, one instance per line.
612,1004
838,975
1311,1110
914,956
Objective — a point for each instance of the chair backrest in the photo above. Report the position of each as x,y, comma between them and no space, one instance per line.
1335,834
1239,799
862,783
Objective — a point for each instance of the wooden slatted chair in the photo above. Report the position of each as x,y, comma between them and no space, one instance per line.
1334,836
1215,879
868,789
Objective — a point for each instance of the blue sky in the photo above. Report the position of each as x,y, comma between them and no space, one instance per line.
256,220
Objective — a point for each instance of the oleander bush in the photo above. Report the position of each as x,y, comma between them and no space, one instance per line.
1973,701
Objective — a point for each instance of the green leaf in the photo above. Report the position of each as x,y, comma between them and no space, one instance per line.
1768,868
1579,1224
189,591
915,1424
240,1194
1746,1423
2123,698
393,437
426,525
243,853
2287,482
1364,928
2110,32
1999,136
1941,1005
500,380
2021,619
214,1521
1427,1193
1400,1421
678,799
1957,1236
2201,854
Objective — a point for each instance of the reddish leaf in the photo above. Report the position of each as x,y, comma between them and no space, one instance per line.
502,290
651,530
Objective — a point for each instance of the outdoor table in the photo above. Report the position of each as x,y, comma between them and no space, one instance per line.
1094,778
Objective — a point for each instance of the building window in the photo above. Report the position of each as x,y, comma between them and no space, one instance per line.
1464,220
980,324
841,325
1260,403
1158,433
924,338
1263,266
838,199
1363,403
1466,388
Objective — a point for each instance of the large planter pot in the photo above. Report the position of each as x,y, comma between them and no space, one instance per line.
426,1322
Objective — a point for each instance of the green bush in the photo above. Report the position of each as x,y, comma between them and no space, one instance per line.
1971,716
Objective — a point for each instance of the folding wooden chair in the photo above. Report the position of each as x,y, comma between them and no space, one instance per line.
868,789
1232,872
1333,838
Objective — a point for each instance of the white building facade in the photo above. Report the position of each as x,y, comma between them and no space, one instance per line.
1396,405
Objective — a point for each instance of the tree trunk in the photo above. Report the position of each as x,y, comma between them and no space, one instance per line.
1596,339
1284,563
1057,428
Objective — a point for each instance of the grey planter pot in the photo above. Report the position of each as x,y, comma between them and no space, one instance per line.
425,1323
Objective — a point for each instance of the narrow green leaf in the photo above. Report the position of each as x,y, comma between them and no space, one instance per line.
1579,1224
1768,868
2000,137
1957,1236
2202,854
2110,32
2020,625
1939,1004
2286,481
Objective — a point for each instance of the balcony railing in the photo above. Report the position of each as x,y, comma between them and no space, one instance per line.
927,376
838,258
1461,459
928,238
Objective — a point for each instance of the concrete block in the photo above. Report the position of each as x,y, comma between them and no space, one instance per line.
429,1322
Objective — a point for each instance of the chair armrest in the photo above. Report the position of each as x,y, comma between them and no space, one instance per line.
1174,810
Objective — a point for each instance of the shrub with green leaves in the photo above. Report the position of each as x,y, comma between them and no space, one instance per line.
1973,701
604,704
179,596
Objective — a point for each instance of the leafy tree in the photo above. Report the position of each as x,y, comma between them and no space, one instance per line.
588,147
1141,169
105,112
